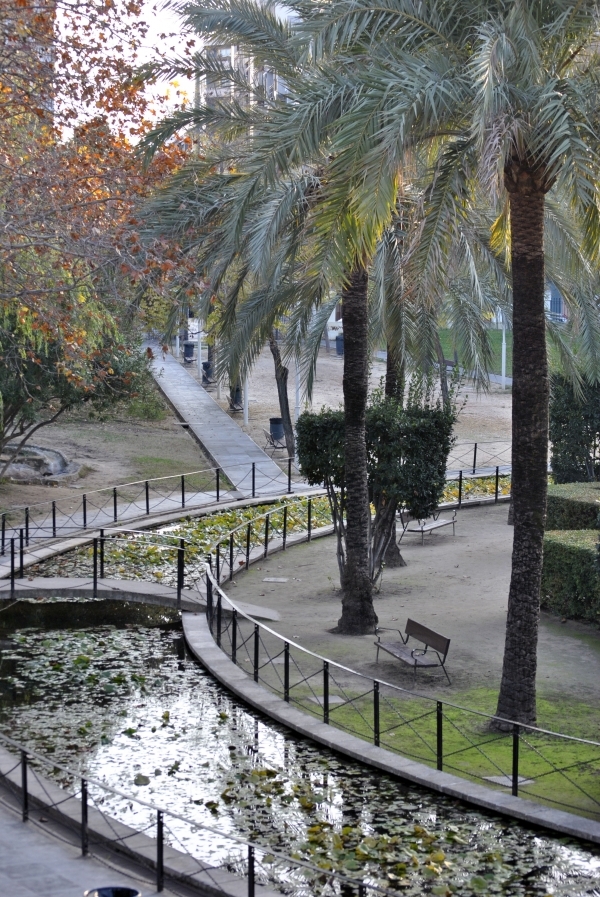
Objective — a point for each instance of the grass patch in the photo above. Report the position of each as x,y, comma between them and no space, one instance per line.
408,726
150,468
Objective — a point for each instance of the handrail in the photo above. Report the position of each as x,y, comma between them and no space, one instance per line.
303,864
408,691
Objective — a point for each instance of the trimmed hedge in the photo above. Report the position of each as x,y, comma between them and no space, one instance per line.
570,579
573,506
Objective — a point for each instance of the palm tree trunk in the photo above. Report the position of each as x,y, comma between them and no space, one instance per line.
281,379
358,614
517,699
395,384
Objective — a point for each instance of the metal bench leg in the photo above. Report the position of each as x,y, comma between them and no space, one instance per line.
447,676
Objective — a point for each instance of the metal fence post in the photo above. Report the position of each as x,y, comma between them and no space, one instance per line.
218,577
54,520
376,724
95,578
362,890
256,650
147,495
248,537
20,554
180,570
515,761
3,533
289,489
218,484
325,692
496,489
459,488
182,490
253,480
209,592
285,510
474,457
24,790
266,536
84,507
230,556
286,671
219,610
251,872
439,730
84,819
309,526
115,512
12,567
26,526
160,854
234,636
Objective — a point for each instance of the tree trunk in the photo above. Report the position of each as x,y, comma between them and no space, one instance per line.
395,384
395,376
281,378
358,614
443,373
517,699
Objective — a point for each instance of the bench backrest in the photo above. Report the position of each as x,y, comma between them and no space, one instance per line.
433,639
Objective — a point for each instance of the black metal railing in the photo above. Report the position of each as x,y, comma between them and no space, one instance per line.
198,854
544,765
129,501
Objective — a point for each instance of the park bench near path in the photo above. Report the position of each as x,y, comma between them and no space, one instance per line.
427,525
416,657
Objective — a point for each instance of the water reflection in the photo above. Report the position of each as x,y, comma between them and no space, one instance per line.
127,703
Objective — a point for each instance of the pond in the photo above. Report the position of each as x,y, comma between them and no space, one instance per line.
109,688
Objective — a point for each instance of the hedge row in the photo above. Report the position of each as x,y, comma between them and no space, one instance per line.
573,506
570,580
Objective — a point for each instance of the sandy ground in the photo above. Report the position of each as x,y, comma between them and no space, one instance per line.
457,586
124,449
484,417
111,452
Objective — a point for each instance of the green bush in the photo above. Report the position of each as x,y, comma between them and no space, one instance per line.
574,432
573,506
570,580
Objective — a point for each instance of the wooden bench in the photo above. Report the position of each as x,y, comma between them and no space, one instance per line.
412,525
416,657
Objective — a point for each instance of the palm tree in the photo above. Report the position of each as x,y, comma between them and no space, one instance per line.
498,101
502,97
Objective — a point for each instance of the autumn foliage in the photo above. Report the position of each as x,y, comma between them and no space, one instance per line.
72,265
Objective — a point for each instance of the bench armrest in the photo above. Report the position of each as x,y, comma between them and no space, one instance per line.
379,629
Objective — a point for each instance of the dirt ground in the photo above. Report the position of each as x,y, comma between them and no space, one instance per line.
485,417
456,585
124,448
111,452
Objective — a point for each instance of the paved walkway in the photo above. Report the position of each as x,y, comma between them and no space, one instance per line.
224,442
39,860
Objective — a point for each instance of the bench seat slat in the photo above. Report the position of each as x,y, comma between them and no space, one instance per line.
402,652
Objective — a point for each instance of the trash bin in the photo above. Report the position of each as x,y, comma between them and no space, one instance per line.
339,344
236,395
207,371
117,891
188,351
276,428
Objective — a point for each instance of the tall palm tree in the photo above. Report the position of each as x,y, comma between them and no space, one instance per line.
502,96
499,101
